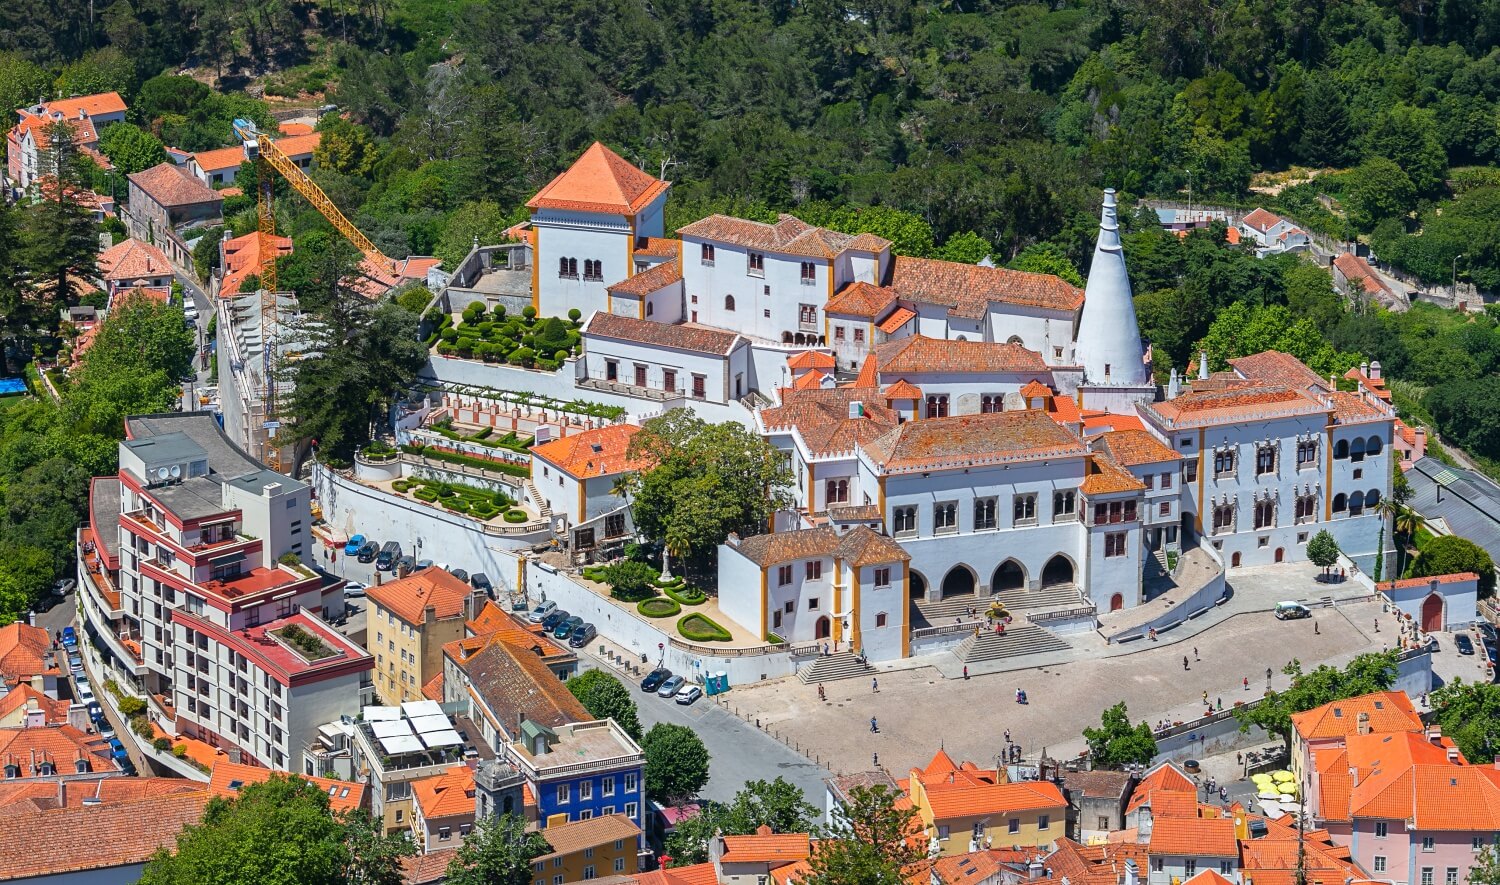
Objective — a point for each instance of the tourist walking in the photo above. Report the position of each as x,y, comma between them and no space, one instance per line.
1195,654
1185,663
874,726
875,686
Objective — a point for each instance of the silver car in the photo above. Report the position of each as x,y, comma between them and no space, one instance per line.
670,687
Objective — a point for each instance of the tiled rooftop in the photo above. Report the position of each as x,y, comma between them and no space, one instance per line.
602,451
601,181
973,441
968,289
920,354
681,336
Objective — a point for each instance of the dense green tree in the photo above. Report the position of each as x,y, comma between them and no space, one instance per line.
344,147
1116,743
141,332
605,697
776,804
101,70
707,480
1323,550
1469,713
1407,136
1327,134
1450,555
131,148
482,221
1378,189
966,248
58,235
1369,672
1466,411
23,82
676,763
1047,258
874,840
498,851
1241,330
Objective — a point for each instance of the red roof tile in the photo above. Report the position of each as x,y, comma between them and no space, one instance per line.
1105,477
1388,711
810,359
1165,776
23,651
450,794
1262,219
810,380
603,451
1427,582
228,778
131,259
409,597
859,547
1275,367
767,847
898,318
789,236
682,336
599,181
652,279
1229,405
861,299
103,837
657,247
921,354
1193,836
903,389
247,255
1034,388
968,289
172,186
24,697
973,440
1133,447
822,416
948,802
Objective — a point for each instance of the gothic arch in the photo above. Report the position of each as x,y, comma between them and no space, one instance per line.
1009,575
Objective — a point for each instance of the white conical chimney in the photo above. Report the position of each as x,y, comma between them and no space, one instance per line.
1174,386
1203,365
1109,341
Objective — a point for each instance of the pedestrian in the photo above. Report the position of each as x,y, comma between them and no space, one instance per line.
1185,663
875,686
1316,630
1239,758
1007,731
1205,697
1219,704
1195,654
1152,634
874,726
966,671
1377,625
1247,683
822,695
875,759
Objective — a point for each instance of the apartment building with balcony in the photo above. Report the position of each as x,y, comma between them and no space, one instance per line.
203,600
397,747
408,622
580,771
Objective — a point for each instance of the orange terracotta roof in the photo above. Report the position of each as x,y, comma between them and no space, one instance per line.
941,766
1262,219
227,192
810,359
903,389
1407,434
1208,877
657,247
495,625
61,745
580,835
93,105
1353,408
968,289
111,835
1388,711
292,145
822,417
1356,269
1130,448
228,778
23,651
246,255
1333,782
921,354
1105,477
767,847
1165,776
599,181
1427,582
1252,402
1275,367
131,259
960,801
652,279
289,128
810,380
789,236
794,872
427,869
1035,388
898,318
1064,410
1103,421
861,299
867,376
24,697
1203,837
408,598
433,689
860,546
450,794
602,451
973,440
171,186
682,336
220,158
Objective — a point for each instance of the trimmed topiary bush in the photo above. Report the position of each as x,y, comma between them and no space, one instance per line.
575,314
686,595
659,607
515,516
698,627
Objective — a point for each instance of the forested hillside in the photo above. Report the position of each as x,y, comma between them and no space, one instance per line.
1002,119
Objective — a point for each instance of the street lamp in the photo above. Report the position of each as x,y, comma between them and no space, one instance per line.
1454,288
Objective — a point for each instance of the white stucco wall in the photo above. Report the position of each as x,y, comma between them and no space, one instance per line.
582,236
739,591
706,287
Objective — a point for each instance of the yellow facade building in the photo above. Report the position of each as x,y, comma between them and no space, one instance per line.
409,621
965,808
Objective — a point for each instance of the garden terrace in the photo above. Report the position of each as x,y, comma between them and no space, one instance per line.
666,611
471,501
527,340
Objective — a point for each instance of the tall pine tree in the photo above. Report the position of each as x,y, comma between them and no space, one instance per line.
59,237
1327,136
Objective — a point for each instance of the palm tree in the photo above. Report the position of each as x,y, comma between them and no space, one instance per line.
1404,525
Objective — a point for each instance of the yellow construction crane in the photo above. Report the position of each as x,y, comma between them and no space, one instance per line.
268,160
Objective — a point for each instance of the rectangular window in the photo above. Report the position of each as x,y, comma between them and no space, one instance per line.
1190,471
1149,480
809,273
706,255
586,814
942,833
1450,876
585,791
814,569
607,787
984,513
838,333
1224,462
904,521
593,270
1189,867
1024,510
619,864
1164,508
812,604
699,386
669,380
1044,822
1265,460
611,370
562,794
880,619
1226,868
882,577
640,376
859,336
1428,843
1426,876
1380,829
1379,863
783,576
630,810
757,264
1166,481
807,316
1013,825
977,832
1114,544
945,517
614,525
630,788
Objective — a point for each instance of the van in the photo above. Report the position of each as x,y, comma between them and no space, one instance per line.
388,556
1291,611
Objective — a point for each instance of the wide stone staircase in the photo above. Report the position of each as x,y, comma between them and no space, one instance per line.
1017,640
1057,596
839,665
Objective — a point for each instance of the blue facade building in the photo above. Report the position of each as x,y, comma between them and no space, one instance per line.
581,771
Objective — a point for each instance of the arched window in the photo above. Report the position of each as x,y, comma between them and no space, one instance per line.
1357,450
1372,446
729,302
1341,449
1014,339
1372,498
650,308
1340,503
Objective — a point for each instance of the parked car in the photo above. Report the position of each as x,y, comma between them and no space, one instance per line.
480,581
369,551
64,587
46,603
406,562
423,563
670,687
1464,643
581,635
565,629
354,545
69,634
689,693
1487,631
75,663
459,573
655,678
388,556
540,613
1291,611
355,588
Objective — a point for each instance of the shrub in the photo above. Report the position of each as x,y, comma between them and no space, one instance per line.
686,595
484,511
629,580
470,460
180,751
400,485
659,607
515,516
529,313
522,356
560,355
161,745
446,348
131,707
425,494
774,639
700,628
141,725
575,314
448,333
498,312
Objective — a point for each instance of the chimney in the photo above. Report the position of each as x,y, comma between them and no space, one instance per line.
1364,368
1132,873
1174,386
856,409
429,614
733,540
1202,365
1362,723
1435,734
1375,370
1419,444
1452,755
1353,776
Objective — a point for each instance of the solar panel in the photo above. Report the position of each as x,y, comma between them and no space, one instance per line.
425,724
413,709
382,714
390,729
1445,477
401,744
447,738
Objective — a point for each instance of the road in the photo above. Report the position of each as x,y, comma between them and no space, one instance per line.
190,289
738,752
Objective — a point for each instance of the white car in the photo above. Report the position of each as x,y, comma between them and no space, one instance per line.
355,588
688,694
540,613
